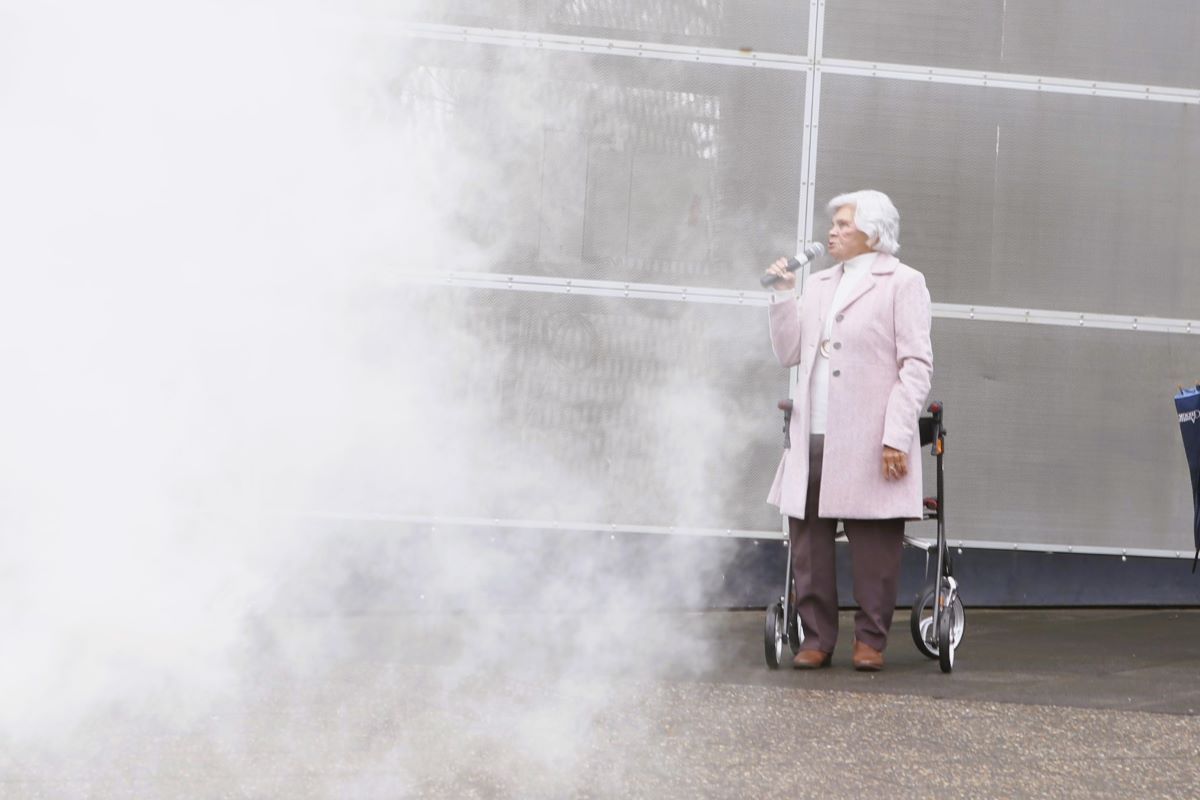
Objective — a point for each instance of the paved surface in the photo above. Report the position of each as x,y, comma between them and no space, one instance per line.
1145,660
1088,703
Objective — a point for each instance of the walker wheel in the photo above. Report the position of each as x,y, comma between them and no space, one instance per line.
921,623
795,633
774,636
947,640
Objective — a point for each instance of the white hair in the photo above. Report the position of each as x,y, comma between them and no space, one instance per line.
874,215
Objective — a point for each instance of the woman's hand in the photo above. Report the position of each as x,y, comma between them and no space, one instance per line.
895,464
786,280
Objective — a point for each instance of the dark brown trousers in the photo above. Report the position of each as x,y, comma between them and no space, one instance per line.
875,548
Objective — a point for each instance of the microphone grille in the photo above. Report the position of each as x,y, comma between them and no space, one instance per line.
815,249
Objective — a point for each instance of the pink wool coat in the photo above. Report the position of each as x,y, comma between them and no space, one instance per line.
879,379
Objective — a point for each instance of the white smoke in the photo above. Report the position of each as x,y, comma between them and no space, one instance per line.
207,343
196,198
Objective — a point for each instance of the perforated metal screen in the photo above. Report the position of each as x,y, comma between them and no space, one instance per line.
1063,435
693,170
771,25
1017,198
620,169
1150,41
616,411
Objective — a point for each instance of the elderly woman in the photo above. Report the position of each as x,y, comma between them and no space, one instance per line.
859,335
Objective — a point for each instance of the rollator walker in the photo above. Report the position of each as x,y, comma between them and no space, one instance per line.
937,620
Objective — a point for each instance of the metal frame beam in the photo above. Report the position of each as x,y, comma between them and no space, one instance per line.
814,61
600,46
1008,80
433,523
708,295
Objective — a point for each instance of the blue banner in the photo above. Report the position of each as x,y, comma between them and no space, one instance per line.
1187,403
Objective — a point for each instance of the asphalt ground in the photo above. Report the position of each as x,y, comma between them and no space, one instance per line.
1042,703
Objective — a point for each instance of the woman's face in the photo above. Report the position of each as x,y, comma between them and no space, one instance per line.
845,239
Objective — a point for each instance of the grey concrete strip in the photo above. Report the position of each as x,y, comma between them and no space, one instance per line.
655,706
406,735
1132,659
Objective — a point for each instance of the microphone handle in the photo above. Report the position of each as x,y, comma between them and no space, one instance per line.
769,280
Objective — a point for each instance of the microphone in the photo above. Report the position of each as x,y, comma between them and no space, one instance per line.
814,250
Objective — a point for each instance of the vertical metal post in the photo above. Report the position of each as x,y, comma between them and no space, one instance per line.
808,147
808,160
812,120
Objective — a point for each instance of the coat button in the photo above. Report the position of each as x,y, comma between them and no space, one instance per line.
837,345
837,372
839,318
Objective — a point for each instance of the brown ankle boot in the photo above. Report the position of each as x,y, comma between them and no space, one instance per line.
866,658
811,659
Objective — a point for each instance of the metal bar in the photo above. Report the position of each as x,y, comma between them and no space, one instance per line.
1007,80
601,46
1069,319
544,525
811,130
807,164
435,522
706,295
590,288
1064,549
798,63
807,145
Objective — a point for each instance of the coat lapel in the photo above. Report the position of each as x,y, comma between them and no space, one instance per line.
882,265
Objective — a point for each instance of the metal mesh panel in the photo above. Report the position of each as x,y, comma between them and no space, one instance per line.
615,411
1151,42
776,26
1063,435
623,168
1016,198
949,33
620,168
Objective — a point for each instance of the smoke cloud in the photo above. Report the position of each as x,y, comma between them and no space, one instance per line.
218,373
